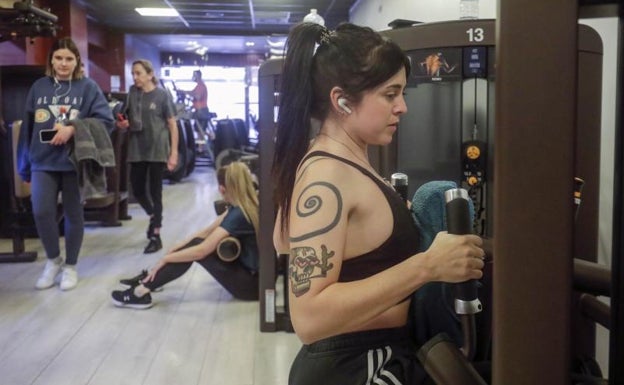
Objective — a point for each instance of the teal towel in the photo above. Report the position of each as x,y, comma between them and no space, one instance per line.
432,310
429,210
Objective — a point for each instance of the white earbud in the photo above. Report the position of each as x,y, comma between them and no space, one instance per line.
342,102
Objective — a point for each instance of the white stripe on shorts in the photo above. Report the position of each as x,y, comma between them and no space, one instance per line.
377,359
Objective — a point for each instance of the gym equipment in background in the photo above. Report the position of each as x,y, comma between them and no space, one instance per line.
17,215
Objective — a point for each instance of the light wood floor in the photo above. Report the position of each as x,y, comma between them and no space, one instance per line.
196,333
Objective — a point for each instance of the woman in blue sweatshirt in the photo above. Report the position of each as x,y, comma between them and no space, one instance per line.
64,94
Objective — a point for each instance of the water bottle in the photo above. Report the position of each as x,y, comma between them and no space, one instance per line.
468,9
314,17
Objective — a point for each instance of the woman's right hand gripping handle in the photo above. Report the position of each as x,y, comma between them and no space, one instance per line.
455,258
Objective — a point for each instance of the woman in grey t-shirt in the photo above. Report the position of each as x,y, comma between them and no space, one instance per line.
153,143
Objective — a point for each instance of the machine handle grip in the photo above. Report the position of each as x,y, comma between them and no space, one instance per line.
399,183
458,221
467,304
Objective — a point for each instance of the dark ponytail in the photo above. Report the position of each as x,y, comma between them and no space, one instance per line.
295,111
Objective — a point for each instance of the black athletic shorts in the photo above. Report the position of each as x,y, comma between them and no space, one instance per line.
385,356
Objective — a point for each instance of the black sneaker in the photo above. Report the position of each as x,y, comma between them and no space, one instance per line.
137,280
134,281
153,246
127,298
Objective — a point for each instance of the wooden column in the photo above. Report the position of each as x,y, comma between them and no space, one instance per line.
536,64
616,338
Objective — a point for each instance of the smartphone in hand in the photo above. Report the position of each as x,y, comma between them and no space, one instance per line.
45,136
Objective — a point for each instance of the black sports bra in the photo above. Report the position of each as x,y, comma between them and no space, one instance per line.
402,243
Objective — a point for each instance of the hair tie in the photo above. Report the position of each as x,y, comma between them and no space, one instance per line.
324,36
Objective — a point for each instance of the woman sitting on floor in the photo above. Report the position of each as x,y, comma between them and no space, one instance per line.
240,220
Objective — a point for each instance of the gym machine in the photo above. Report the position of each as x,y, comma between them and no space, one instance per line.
16,220
451,98
274,316
568,142
530,255
26,20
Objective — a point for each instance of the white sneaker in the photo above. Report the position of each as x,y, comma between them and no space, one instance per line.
69,278
50,271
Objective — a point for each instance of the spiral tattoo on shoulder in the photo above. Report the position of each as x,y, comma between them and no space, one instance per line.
310,203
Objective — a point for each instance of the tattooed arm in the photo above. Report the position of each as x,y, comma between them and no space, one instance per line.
326,208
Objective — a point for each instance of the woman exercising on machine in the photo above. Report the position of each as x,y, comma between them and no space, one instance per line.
354,259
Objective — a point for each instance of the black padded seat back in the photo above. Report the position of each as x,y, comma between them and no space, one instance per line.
242,132
226,136
18,218
21,188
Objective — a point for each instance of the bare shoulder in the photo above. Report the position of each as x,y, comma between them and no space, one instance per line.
328,177
324,169
321,198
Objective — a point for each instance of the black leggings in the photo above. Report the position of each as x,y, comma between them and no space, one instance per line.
233,276
149,197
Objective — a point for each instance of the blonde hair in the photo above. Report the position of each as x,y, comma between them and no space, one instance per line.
242,192
149,68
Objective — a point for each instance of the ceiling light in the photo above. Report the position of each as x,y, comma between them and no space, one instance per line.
214,15
166,12
249,44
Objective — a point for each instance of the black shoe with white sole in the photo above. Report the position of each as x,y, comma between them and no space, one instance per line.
137,280
126,298
134,281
